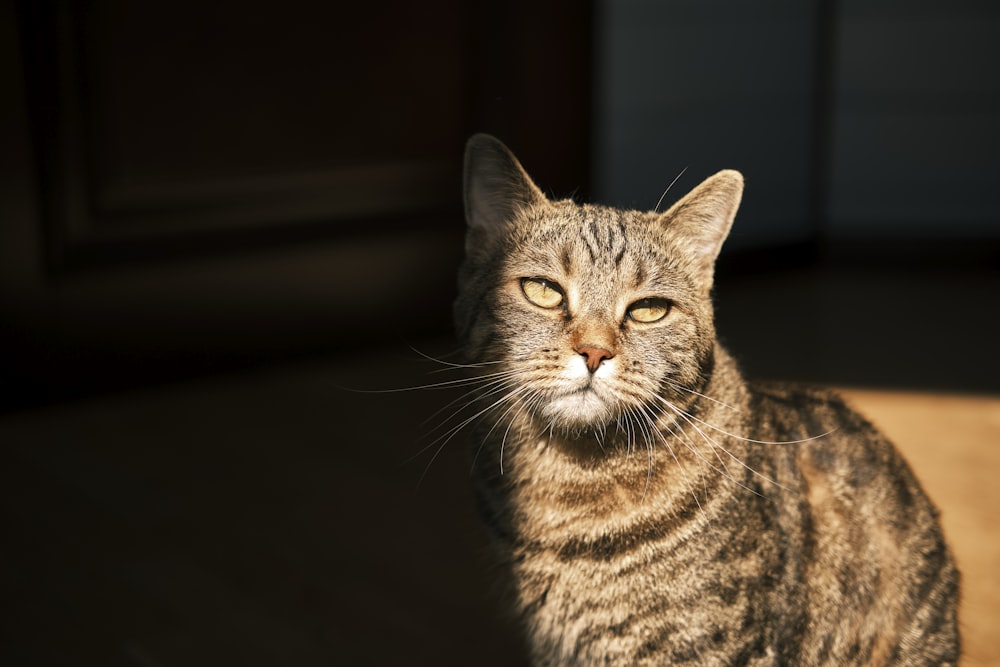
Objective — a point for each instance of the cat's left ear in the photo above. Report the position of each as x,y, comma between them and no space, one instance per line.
701,220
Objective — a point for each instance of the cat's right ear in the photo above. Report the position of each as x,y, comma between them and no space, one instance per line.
497,188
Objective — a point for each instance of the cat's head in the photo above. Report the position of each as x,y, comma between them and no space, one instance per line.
592,312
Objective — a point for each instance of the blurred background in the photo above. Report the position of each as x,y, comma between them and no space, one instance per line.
216,216
191,188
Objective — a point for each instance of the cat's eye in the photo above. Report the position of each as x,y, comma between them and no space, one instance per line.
542,293
648,311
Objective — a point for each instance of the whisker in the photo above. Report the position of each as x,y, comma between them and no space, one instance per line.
745,439
451,364
690,419
446,384
714,445
519,390
516,392
652,418
660,201
699,394
488,389
644,427
532,400
447,436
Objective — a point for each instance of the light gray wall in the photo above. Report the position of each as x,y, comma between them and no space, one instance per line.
916,137
914,144
706,86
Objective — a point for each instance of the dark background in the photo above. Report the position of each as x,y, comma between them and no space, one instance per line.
190,187
215,216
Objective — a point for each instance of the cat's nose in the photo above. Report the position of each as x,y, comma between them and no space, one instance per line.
594,355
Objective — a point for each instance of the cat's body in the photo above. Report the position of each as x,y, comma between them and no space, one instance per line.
651,506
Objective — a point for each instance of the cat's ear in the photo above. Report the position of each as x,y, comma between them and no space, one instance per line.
496,185
702,218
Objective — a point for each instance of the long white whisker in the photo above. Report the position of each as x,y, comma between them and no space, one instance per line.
516,392
690,419
660,201
446,437
652,420
714,445
446,384
644,427
516,395
740,437
520,411
698,394
488,389
451,364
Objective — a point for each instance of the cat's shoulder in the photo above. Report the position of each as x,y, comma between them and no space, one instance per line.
824,431
819,406
793,394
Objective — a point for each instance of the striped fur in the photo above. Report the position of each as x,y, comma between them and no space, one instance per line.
660,509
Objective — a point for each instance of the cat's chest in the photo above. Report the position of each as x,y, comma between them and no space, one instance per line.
610,580
587,516
561,493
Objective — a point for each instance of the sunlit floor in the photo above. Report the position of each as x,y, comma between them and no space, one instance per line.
953,443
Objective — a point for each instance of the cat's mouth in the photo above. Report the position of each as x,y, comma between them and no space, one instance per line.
578,407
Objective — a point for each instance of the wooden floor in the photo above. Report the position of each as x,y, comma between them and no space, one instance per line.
953,443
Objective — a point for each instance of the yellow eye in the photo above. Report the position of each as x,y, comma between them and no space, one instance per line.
541,292
648,311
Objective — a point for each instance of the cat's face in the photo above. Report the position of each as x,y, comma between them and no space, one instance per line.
594,317
593,313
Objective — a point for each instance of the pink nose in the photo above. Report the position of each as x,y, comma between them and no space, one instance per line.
594,355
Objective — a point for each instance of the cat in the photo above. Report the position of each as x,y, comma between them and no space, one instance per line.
650,505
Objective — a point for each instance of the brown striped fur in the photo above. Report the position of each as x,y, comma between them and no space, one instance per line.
660,509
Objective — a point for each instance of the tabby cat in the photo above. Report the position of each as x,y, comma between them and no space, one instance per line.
652,507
